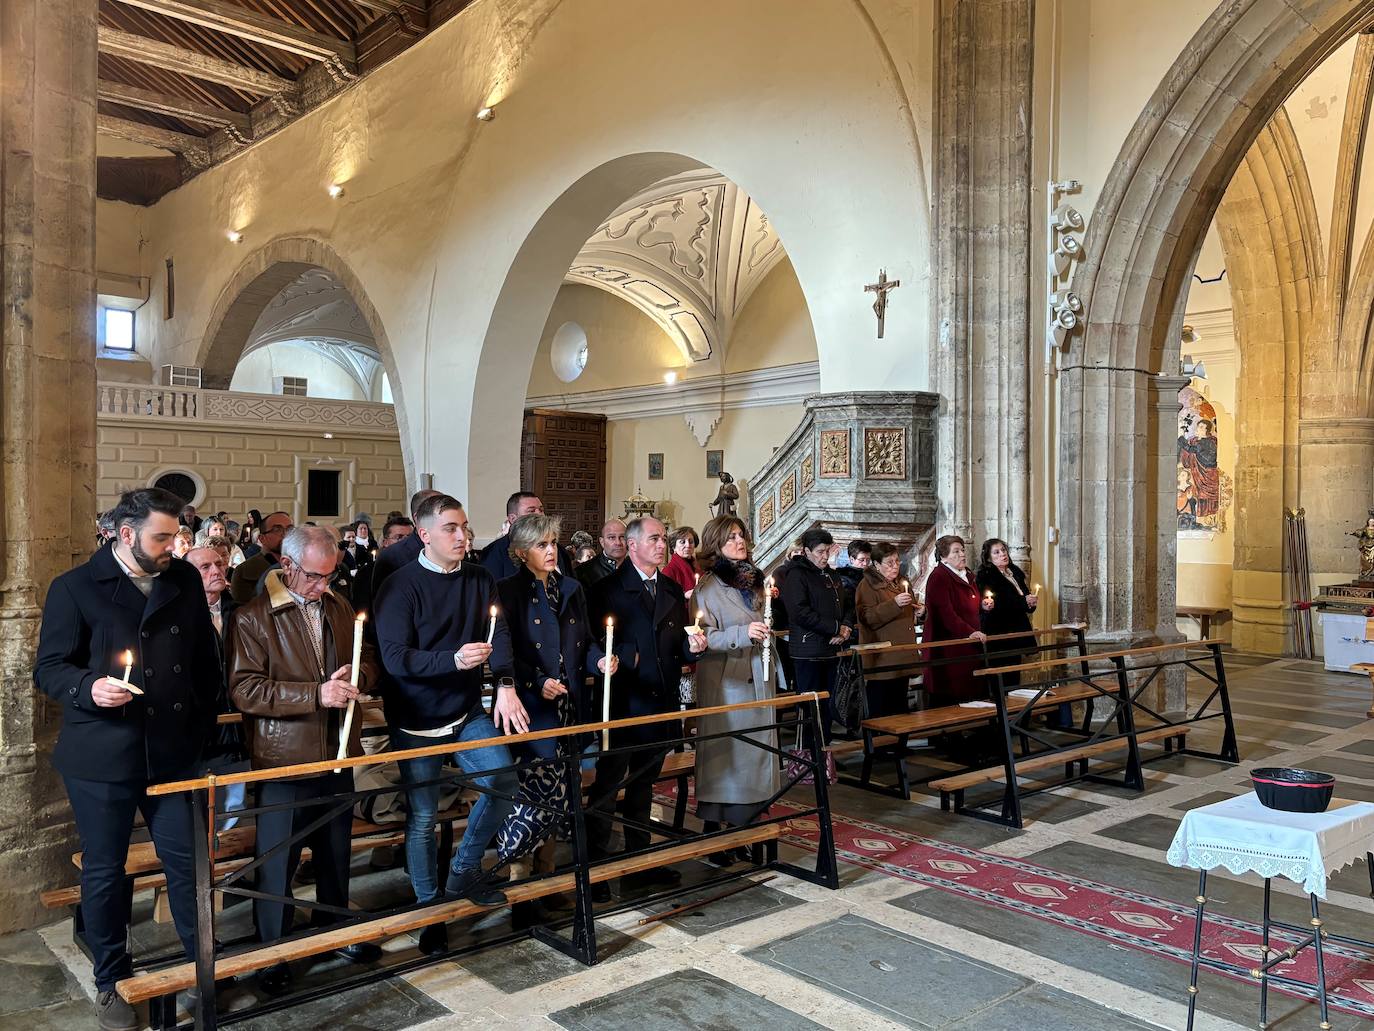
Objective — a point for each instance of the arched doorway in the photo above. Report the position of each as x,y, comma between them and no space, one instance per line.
1117,429
261,279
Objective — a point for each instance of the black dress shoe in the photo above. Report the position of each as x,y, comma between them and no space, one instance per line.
601,891
658,877
362,952
472,884
524,915
276,980
434,940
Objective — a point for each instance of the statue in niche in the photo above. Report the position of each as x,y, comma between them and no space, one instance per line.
1365,542
727,497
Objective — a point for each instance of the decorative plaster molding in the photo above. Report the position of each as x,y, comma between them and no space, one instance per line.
171,406
701,400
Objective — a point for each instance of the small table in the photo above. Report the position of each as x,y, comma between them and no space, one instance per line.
1244,836
1204,616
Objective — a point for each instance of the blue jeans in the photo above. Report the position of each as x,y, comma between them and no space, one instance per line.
422,804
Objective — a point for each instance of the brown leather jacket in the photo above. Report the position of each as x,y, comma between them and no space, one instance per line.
274,677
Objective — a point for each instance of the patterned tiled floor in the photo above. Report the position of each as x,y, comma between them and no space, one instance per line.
880,952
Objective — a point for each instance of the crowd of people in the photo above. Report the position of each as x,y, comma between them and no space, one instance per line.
177,618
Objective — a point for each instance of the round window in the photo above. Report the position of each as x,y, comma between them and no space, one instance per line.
179,484
568,351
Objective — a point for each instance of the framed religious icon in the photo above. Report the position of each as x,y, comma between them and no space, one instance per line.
715,462
655,465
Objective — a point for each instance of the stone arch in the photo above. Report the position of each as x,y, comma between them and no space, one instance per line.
531,284
1142,242
262,275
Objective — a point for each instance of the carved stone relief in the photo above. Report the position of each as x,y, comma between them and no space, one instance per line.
787,493
885,454
808,472
834,454
766,515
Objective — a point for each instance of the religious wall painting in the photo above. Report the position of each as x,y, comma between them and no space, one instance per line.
715,462
834,454
808,472
766,516
787,493
885,454
1204,490
655,465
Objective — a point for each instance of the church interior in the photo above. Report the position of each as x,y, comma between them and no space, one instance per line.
1090,280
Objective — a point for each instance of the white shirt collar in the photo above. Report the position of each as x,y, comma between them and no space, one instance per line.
219,603
140,575
962,574
641,573
434,568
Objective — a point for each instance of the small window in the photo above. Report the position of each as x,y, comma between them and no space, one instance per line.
179,484
292,386
117,329
568,351
322,493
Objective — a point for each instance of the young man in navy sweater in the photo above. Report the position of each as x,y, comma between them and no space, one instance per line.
433,620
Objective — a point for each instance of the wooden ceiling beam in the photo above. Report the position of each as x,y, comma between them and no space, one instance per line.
189,62
239,126
194,149
250,25
383,6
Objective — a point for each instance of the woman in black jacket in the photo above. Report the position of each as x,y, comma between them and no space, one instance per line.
1012,605
820,618
549,654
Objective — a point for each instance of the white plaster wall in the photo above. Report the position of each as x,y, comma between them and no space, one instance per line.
257,370
775,326
805,113
624,346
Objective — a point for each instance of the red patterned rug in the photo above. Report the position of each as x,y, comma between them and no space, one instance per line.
1118,915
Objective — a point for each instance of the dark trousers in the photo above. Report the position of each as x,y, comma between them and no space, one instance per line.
886,697
636,805
818,675
329,849
104,814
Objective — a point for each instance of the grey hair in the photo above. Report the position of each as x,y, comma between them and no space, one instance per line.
300,539
636,531
532,529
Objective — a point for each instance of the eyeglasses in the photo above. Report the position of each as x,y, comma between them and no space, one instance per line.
314,578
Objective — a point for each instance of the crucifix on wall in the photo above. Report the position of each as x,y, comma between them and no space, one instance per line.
881,287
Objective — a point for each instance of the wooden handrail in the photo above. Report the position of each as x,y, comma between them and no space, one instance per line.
377,758
1063,628
992,671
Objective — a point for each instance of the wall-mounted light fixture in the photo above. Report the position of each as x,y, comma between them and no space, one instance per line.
486,114
335,190
234,236
670,377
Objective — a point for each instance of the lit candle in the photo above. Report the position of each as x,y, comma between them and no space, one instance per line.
353,679
606,684
987,597
695,628
768,622
128,658
491,630
1035,589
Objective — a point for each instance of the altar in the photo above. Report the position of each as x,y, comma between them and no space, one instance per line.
1347,639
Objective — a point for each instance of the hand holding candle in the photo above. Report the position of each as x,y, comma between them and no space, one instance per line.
1033,599
353,679
491,630
987,601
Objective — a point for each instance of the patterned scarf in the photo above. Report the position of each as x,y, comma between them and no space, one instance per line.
742,576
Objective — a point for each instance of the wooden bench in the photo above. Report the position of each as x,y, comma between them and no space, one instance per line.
1204,616
169,980
971,778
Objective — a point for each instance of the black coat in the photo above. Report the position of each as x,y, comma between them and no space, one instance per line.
817,606
496,557
226,741
652,647
92,614
1010,614
545,645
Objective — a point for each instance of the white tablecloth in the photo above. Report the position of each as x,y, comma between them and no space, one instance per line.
1245,837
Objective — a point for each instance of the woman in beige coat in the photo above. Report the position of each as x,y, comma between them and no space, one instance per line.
733,777
888,613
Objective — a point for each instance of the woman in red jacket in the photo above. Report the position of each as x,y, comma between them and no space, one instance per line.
953,604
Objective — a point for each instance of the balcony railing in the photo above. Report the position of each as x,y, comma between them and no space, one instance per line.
136,402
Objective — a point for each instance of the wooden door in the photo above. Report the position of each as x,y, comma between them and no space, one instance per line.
563,460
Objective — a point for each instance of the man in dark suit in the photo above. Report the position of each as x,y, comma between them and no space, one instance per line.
496,556
393,557
650,616
612,555
132,596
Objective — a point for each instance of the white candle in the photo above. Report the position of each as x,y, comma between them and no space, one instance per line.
353,679
695,628
606,684
491,630
768,622
128,657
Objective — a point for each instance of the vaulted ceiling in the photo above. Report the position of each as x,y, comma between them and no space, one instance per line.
200,79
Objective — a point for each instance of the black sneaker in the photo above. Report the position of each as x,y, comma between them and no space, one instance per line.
471,884
276,979
114,1014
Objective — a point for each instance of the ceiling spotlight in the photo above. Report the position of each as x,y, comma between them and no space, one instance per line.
335,190
670,377
1188,367
1064,318
1191,335
329,436
1066,218
234,236
486,114
1066,299
1069,245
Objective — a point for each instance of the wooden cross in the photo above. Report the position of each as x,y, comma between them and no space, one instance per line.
881,287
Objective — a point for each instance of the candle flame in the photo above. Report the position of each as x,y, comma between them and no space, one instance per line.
609,620
700,614
493,612
127,658
361,617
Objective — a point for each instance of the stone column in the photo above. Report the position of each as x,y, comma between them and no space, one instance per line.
47,403
1173,694
1336,488
982,190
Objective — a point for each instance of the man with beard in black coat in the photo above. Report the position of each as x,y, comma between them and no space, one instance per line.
121,734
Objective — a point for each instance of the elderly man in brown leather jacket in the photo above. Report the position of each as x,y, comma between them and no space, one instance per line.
290,652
